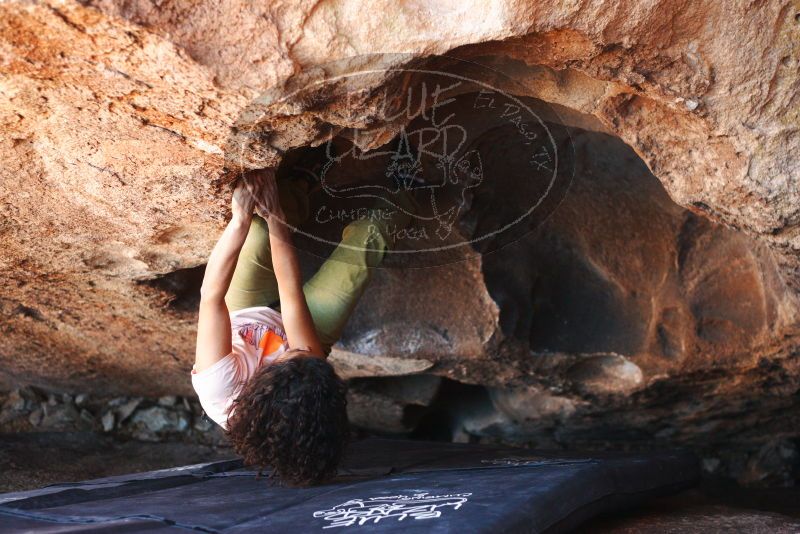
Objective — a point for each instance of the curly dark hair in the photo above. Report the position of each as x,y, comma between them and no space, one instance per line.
291,416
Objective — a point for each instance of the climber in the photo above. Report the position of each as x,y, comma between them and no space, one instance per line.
263,337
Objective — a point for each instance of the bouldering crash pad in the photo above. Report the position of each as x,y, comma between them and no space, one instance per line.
383,485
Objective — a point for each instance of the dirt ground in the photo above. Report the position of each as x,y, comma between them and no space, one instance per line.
712,507
35,459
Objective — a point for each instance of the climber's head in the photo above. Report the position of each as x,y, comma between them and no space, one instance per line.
291,417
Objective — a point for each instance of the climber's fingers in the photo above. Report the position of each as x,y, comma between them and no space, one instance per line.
243,201
265,189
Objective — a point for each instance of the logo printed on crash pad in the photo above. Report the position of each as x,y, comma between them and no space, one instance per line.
358,512
529,461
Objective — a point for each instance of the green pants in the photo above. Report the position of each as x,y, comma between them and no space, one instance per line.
333,292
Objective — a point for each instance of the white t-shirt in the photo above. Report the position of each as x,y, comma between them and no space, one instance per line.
257,337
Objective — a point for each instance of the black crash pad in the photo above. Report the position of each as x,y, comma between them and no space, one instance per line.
383,485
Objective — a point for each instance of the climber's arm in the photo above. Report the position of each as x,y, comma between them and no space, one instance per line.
296,317
297,321
214,323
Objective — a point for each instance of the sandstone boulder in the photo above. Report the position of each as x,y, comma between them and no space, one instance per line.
657,299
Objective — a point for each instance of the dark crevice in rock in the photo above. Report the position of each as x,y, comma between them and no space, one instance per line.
26,311
744,434
178,290
444,418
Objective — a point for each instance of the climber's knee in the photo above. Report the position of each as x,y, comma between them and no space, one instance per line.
365,233
366,238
